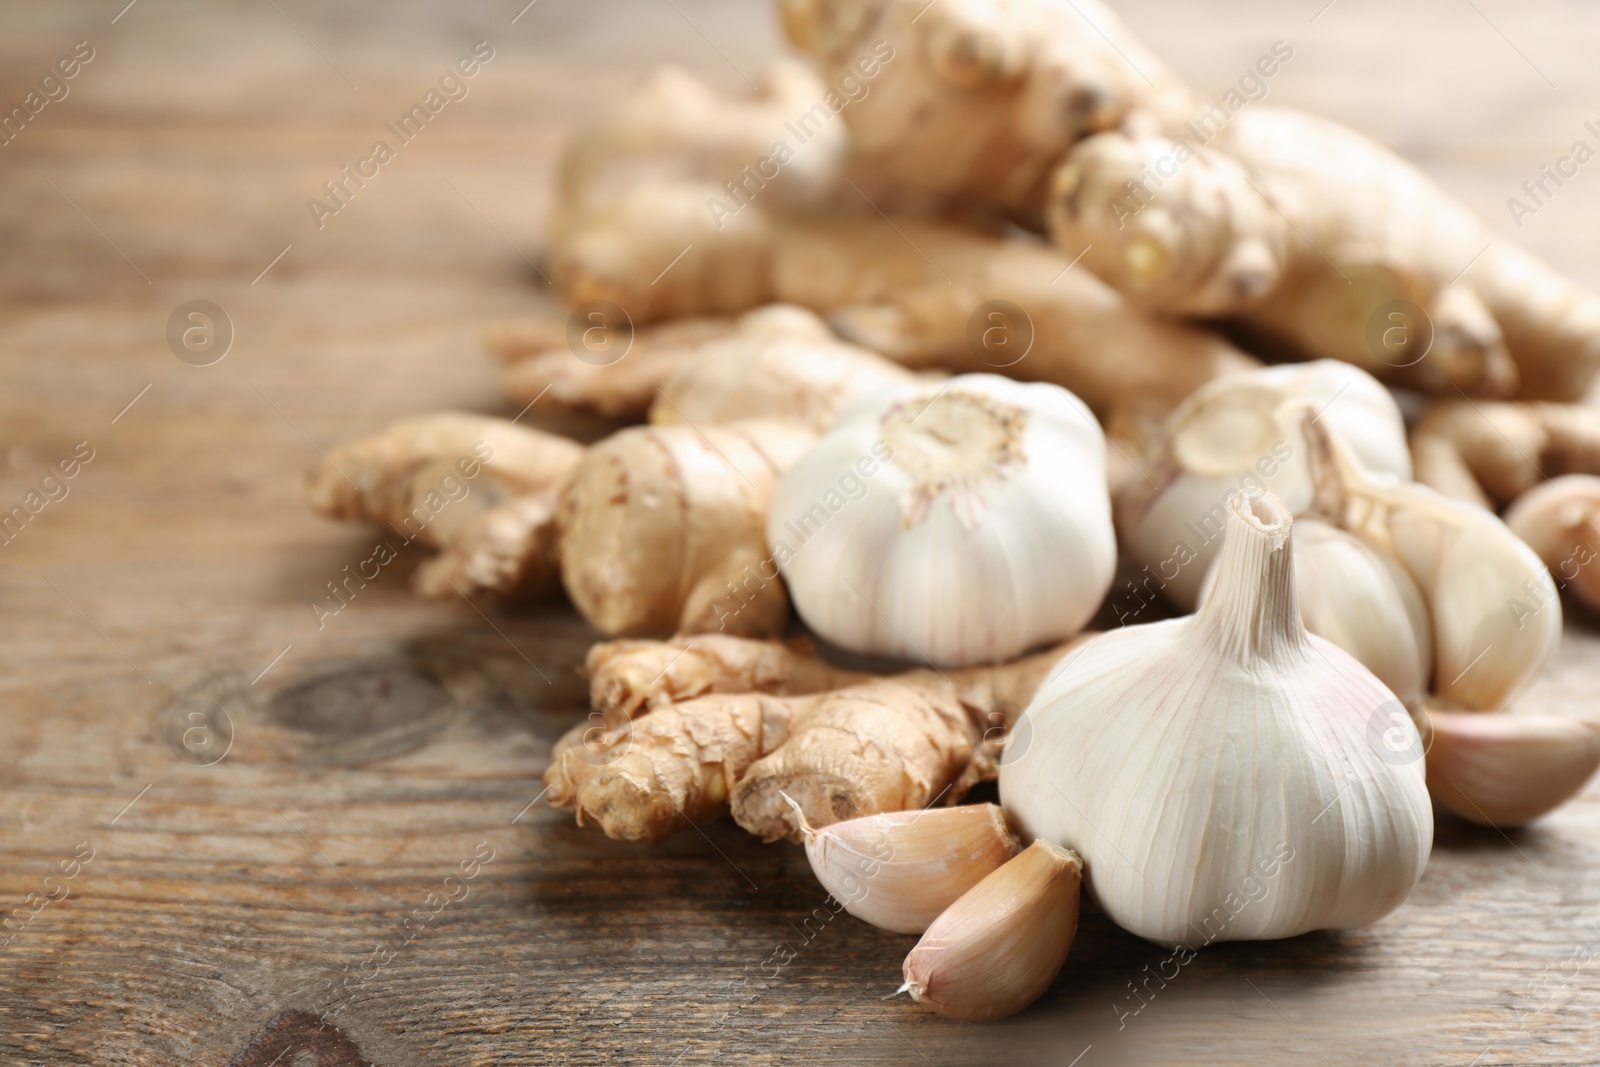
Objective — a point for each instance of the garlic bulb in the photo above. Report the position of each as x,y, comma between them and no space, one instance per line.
997,948
1507,770
1242,431
1221,774
899,870
957,524
1560,521
1364,602
1496,614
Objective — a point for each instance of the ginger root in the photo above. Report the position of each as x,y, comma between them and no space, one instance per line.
924,294
676,236
481,490
649,528
1493,453
647,171
973,104
880,746
1298,230
1322,241
673,129
721,720
542,364
776,366
627,678
659,523
779,361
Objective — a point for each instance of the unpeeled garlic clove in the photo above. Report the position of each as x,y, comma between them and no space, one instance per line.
993,952
1560,521
1496,616
1241,431
900,870
1506,770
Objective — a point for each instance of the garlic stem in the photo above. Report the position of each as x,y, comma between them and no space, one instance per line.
1252,612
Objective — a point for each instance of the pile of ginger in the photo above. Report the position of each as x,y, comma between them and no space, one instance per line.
988,204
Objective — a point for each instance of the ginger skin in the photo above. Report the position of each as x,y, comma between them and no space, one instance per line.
797,378
778,361
630,677
541,366
674,145
720,719
481,490
1493,453
685,759
1308,235
977,102
655,530
913,290
659,523
882,746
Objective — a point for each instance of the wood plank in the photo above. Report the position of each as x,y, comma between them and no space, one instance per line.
403,739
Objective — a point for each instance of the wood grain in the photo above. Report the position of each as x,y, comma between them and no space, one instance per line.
304,844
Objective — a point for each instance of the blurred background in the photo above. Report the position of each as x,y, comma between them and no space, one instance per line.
366,757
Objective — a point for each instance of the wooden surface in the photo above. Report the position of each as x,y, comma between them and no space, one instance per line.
221,904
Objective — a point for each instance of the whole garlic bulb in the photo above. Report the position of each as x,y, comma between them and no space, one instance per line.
1363,601
1218,772
958,524
1244,431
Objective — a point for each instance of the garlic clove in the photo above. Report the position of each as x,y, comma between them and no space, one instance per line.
992,952
1501,769
1496,614
900,870
1364,602
1244,431
1560,521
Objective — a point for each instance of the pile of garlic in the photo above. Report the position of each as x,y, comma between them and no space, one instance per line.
1352,629
1437,597
1276,814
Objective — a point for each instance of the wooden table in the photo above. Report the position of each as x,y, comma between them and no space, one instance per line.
359,765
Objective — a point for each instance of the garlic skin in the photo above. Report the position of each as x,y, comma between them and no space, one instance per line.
899,870
1364,602
1218,773
1507,770
1243,431
956,524
1496,614
1560,521
997,948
